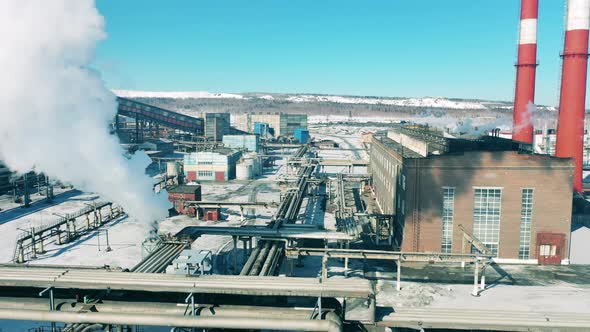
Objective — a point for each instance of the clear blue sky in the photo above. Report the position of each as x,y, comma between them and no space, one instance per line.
454,48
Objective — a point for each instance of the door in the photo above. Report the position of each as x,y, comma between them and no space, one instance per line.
550,247
210,216
191,176
219,176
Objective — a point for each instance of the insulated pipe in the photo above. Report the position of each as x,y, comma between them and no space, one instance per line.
93,327
570,125
525,73
329,324
147,308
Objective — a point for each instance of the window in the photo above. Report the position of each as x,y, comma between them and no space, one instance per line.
526,219
486,217
403,182
205,173
403,210
547,250
448,208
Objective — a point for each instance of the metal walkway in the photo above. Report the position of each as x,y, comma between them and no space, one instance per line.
135,109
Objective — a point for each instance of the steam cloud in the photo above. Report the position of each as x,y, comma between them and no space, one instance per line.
54,110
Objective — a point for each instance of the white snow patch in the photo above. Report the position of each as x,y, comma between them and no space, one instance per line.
176,95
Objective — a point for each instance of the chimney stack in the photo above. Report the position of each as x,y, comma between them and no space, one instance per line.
525,72
570,125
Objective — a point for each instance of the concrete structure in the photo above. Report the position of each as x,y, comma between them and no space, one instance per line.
525,72
280,124
249,143
216,165
179,194
570,126
507,198
216,125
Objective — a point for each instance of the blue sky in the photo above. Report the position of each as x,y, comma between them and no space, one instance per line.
454,48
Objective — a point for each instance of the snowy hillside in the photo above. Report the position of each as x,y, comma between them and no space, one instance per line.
425,102
175,95
407,102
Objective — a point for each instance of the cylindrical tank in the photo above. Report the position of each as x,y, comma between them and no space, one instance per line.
172,168
243,171
570,125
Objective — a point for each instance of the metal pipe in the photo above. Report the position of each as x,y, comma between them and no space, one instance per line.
158,308
257,323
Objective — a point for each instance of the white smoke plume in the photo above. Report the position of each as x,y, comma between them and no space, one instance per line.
55,110
471,126
530,116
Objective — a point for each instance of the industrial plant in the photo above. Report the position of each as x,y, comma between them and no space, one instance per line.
287,221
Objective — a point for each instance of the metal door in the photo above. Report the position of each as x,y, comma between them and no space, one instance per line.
219,176
550,247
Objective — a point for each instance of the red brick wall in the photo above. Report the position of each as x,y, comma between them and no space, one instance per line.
551,179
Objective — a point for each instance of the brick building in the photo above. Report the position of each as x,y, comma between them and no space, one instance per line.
179,194
517,203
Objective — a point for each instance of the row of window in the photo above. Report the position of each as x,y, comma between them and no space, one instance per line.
486,218
205,173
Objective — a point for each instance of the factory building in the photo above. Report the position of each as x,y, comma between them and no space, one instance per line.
515,202
279,124
216,165
179,194
216,125
249,143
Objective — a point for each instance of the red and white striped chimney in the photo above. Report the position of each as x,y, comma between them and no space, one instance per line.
570,125
525,72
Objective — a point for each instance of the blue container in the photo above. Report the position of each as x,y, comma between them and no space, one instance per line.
302,135
261,128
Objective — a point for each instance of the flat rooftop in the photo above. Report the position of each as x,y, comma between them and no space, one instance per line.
421,141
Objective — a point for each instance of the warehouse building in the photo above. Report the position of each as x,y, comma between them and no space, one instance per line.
515,202
216,165
249,143
279,124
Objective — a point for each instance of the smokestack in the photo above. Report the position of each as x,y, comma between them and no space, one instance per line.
525,72
570,125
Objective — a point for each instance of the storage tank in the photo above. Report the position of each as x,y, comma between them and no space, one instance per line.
172,168
244,171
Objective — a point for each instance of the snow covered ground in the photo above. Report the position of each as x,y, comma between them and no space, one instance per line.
127,234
